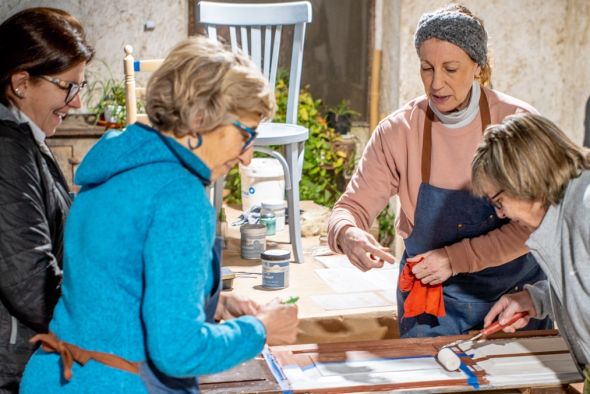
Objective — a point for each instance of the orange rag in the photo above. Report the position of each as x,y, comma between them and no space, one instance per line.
422,298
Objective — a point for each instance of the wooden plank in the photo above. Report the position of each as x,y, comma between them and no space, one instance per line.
249,377
529,359
523,365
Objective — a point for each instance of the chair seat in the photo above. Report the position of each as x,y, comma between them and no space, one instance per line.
280,134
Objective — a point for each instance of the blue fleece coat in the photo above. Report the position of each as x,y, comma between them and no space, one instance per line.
137,271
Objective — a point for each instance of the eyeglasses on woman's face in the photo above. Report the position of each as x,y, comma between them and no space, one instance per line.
72,88
495,202
252,133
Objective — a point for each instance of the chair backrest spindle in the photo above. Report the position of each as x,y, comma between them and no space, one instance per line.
260,28
130,96
132,92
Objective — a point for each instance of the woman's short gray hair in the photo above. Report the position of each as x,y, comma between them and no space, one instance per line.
202,85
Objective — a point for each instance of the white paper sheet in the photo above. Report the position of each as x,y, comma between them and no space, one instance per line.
347,280
335,261
341,261
350,300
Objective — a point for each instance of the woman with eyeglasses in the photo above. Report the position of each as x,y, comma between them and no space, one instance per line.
455,246
537,176
142,280
44,54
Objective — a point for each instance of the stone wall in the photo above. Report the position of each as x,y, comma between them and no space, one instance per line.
540,54
540,49
110,25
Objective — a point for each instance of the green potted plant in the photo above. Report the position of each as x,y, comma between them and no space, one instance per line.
386,221
340,117
324,163
110,107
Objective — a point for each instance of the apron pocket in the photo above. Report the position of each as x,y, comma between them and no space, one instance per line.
471,230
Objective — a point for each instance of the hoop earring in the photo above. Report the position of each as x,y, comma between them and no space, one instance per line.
199,142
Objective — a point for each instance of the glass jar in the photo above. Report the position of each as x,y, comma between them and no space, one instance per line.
278,208
267,217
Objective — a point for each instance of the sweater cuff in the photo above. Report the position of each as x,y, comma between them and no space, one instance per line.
334,233
539,293
259,339
458,257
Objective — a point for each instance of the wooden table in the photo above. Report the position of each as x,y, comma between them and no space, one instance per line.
316,325
552,368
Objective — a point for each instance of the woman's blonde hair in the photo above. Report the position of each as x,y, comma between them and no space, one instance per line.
528,157
202,85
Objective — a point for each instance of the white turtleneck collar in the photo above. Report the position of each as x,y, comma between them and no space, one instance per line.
462,118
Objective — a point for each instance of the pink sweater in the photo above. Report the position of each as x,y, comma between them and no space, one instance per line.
391,164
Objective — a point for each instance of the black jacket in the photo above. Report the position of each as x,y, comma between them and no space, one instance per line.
34,202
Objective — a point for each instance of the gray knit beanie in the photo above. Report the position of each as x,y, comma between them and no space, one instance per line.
457,28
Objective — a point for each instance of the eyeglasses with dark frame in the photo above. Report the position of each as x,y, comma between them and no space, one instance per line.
496,204
72,87
252,133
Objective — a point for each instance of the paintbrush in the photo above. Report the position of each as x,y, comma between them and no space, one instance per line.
451,361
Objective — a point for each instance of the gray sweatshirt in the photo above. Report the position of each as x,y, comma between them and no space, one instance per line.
561,246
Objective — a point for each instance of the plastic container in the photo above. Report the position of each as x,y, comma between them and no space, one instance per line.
252,241
262,180
278,208
267,217
275,268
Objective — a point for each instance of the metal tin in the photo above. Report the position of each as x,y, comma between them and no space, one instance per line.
252,241
275,268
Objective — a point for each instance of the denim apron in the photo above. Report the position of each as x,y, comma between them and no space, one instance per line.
444,217
155,381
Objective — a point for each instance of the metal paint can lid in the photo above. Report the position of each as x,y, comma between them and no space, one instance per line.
275,255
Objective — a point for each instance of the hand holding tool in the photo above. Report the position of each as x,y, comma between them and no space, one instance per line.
451,361
495,327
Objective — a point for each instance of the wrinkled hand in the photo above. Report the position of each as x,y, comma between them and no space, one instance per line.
507,306
435,267
363,250
231,306
280,321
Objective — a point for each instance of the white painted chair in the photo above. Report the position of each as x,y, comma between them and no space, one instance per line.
259,27
132,92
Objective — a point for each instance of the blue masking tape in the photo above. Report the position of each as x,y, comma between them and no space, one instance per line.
136,65
471,378
276,371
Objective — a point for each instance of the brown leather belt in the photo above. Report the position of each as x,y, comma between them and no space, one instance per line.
70,353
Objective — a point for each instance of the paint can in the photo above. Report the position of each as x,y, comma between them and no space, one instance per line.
252,241
275,268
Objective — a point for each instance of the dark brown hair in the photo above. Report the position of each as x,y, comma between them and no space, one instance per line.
41,41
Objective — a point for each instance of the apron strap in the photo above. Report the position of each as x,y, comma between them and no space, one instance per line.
70,353
484,112
427,145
